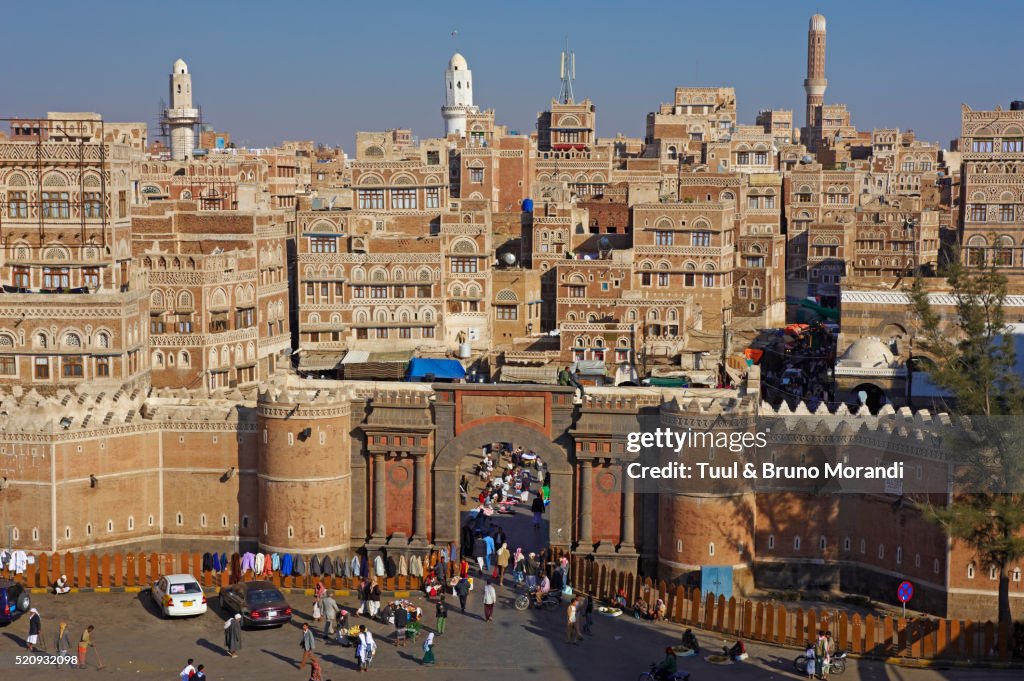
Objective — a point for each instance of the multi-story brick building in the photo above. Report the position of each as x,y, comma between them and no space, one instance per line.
991,221
75,306
218,293
820,212
695,117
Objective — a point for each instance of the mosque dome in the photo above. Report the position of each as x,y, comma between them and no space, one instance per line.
180,66
868,353
818,22
457,63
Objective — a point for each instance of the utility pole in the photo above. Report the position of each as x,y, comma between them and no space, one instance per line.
725,343
910,376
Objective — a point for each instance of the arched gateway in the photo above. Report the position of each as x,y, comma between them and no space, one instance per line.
410,446
537,419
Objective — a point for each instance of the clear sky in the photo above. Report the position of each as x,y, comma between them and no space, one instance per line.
269,71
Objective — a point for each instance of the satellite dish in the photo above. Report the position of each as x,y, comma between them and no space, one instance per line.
509,259
807,159
862,396
604,243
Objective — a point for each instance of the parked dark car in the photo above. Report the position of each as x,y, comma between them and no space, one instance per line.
260,603
14,601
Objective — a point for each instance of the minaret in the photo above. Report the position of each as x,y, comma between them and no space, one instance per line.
815,83
458,95
181,116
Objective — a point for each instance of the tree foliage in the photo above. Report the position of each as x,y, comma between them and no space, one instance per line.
975,363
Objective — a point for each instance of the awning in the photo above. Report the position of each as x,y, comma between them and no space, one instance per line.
363,365
590,367
519,374
677,382
319,361
421,368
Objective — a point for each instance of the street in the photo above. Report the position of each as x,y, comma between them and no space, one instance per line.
135,643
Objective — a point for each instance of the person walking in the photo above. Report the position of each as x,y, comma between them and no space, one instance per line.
233,635
503,559
519,566
200,674
588,614
462,591
84,644
537,506
63,640
364,597
489,552
442,614
463,490
374,598
35,625
428,649
479,551
490,598
188,672
401,618
572,634
308,644
365,648
330,612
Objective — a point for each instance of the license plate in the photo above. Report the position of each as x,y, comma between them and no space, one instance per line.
187,604
271,613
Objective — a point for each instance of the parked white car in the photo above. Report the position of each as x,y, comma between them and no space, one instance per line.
179,596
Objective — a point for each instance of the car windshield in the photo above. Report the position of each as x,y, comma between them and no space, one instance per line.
185,588
262,597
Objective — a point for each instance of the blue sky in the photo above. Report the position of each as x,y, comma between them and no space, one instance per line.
268,71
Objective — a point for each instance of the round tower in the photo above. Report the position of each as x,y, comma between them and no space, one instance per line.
815,83
458,95
181,116
304,471
707,520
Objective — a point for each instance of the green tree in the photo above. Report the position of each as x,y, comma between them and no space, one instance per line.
975,363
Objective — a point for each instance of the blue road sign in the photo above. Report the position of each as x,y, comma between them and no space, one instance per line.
905,592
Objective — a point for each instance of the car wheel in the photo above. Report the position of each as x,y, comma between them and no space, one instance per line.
24,602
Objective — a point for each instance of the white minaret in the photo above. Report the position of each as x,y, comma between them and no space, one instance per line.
181,116
458,95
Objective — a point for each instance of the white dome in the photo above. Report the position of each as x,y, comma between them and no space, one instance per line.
457,63
180,67
818,22
868,352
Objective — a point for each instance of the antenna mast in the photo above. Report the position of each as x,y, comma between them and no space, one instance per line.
568,74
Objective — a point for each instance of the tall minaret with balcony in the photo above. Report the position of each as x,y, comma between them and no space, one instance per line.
815,83
458,95
181,117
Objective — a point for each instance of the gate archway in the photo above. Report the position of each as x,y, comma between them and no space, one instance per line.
446,478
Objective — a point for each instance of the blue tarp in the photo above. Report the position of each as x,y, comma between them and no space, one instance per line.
442,369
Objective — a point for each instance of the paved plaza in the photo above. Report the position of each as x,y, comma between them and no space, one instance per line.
136,643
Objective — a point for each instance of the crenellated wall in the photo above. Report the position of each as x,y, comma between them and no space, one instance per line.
315,466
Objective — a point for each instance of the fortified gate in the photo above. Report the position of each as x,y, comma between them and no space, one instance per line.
411,446
336,467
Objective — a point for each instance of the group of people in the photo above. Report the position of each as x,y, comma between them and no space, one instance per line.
819,655
35,642
193,672
643,611
571,379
